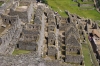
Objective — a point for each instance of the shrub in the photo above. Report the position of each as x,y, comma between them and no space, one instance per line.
44,1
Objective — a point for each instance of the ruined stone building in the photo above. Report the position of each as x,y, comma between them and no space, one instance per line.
90,29
32,34
10,33
55,40
95,41
23,9
70,42
12,26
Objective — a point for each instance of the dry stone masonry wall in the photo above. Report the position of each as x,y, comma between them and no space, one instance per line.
52,39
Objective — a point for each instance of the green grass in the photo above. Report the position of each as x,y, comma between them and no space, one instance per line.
1,2
93,57
86,55
17,52
72,7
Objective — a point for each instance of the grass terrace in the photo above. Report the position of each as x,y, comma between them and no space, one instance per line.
86,54
72,7
89,57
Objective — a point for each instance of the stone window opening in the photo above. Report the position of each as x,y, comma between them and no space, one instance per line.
0,41
63,52
78,51
55,56
63,47
63,59
81,63
82,33
57,26
63,33
77,22
17,45
70,49
54,43
5,20
63,42
20,34
9,22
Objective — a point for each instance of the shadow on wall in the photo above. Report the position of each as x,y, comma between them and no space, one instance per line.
38,0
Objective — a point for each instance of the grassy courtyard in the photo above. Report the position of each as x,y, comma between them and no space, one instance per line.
17,52
72,7
86,55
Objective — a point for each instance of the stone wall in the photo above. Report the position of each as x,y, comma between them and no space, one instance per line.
87,5
5,6
74,50
25,16
33,27
13,28
30,12
51,38
74,59
52,51
34,1
27,46
30,59
29,39
69,40
32,36
22,15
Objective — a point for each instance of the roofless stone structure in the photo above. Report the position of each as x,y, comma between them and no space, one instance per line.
52,39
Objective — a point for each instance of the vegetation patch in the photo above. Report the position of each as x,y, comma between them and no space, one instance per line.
44,1
62,5
17,52
1,2
86,55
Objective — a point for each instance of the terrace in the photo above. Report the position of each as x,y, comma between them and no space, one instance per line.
72,7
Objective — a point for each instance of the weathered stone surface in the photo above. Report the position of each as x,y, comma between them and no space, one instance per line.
52,51
49,35
24,10
74,59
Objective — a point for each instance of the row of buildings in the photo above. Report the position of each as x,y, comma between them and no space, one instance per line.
39,29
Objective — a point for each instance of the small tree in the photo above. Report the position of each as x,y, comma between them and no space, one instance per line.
44,1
